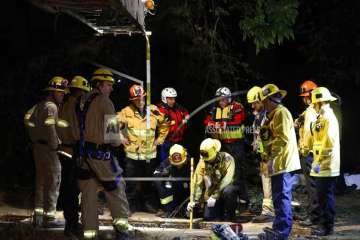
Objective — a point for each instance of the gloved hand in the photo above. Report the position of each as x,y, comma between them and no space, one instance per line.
190,206
211,202
316,168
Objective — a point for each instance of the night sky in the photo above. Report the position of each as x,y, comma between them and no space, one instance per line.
36,45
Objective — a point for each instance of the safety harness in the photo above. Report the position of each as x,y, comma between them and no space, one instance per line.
88,149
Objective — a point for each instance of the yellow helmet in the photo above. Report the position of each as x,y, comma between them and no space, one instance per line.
58,84
209,148
271,89
177,155
81,83
254,94
321,94
102,74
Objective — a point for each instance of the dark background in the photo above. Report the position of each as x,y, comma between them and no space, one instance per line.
35,45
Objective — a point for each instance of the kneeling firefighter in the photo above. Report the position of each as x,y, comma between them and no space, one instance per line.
173,194
213,182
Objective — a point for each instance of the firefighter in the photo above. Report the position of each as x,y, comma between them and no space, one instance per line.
213,182
254,97
173,194
98,164
225,122
283,159
302,124
41,121
69,136
175,115
326,164
140,146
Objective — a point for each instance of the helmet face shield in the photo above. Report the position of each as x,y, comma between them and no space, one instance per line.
204,154
209,149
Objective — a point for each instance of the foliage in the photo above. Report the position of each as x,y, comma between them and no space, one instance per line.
270,22
206,36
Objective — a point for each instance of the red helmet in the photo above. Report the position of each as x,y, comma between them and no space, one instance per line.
306,88
136,91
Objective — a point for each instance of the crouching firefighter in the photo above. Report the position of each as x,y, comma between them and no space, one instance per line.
173,194
213,180
97,164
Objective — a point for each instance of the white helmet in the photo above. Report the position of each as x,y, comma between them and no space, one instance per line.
168,92
223,92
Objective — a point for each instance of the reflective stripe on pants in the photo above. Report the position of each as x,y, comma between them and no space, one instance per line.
116,199
48,174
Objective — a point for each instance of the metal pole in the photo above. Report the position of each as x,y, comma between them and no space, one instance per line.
148,91
191,192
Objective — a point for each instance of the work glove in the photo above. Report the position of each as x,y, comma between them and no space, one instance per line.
157,173
210,202
186,119
316,168
190,206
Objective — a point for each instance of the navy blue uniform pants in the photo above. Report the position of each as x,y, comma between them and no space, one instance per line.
236,149
281,193
225,206
325,187
172,194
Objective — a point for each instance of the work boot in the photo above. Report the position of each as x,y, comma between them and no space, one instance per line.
270,234
163,214
307,223
148,207
53,223
299,216
123,235
73,231
37,220
321,231
263,218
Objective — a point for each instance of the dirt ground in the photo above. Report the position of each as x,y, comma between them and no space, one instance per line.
15,212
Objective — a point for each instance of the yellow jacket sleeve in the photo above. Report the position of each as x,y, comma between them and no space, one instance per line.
162,127
199,180
229,169
326,148
284,151
281,125
50,123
